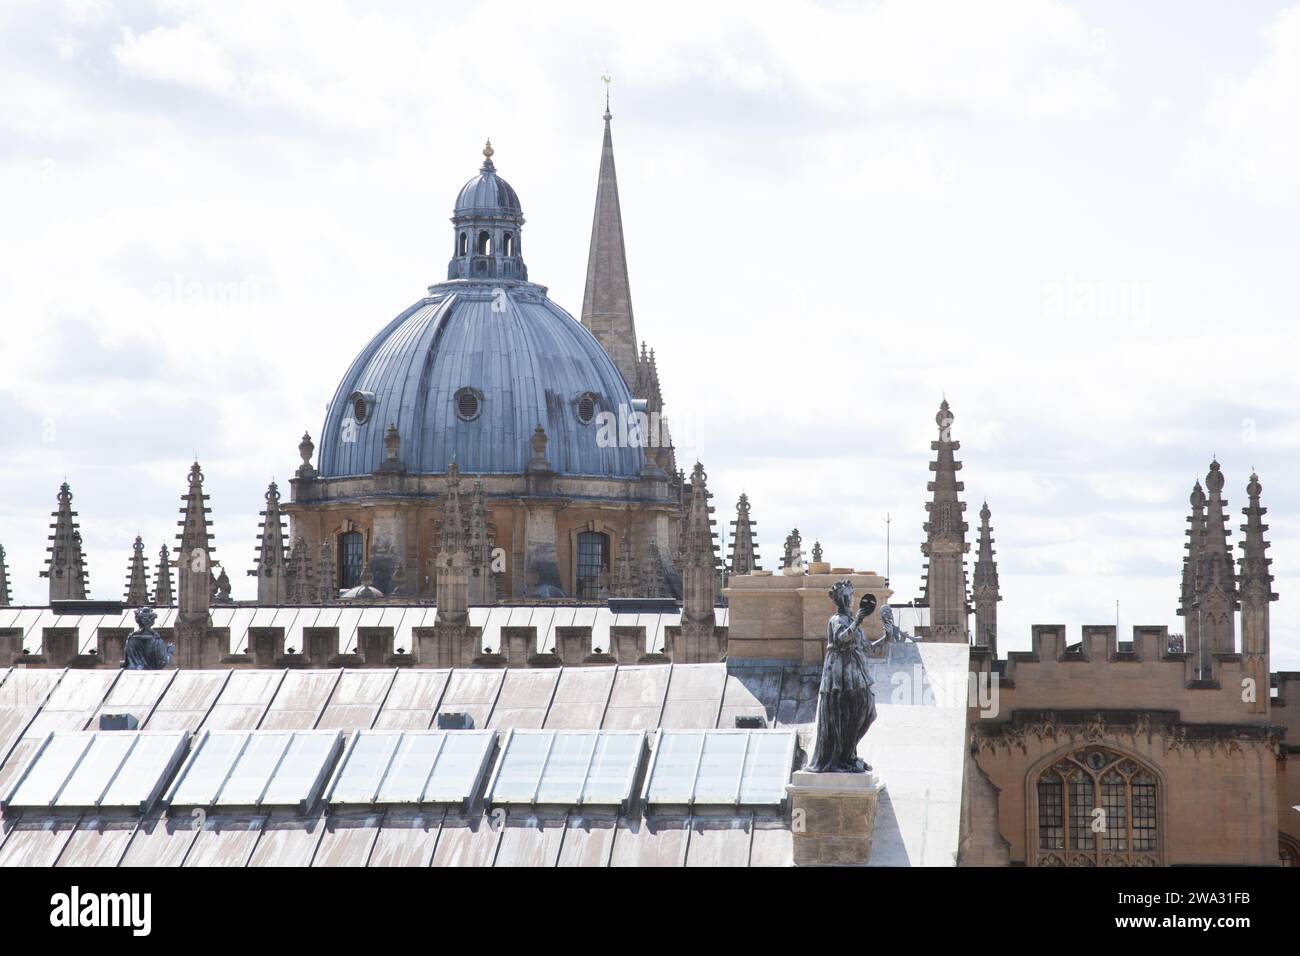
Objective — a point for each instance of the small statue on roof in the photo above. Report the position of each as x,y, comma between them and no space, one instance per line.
221,588
145,650
892,630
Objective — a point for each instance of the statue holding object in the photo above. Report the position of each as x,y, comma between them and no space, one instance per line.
846,706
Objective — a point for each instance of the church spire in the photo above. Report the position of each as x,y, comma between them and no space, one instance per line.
137,577
6,595
744,549
986,591
945,542
66,565
607,299
272,565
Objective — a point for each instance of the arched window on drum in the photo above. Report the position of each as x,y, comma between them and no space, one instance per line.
592,564
352,558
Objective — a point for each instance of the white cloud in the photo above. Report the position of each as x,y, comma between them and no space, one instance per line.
1251,134
186,55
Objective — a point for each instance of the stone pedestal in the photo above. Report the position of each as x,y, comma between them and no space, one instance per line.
833,817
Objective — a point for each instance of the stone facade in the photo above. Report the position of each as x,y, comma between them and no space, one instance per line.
1205,748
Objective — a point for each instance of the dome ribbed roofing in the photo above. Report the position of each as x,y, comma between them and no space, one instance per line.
524,360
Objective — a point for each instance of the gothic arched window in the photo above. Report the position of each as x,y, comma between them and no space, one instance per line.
352,556
1097,807
592,564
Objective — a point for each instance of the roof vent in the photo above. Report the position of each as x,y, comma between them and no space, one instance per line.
455,722
468,404
362,405
118,722
751,722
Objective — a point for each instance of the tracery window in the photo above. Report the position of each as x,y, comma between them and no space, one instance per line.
1097,807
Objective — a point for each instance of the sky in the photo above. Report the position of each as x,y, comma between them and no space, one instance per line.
1076,222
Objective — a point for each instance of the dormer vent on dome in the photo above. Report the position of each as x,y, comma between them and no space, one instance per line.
487,220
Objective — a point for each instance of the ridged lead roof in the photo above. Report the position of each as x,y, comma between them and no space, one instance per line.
528,361
487,191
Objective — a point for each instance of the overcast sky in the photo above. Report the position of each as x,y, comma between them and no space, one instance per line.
1076,221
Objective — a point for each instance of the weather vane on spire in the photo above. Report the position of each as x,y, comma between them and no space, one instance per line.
607,79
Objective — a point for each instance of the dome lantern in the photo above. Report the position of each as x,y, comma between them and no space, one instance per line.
487,221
